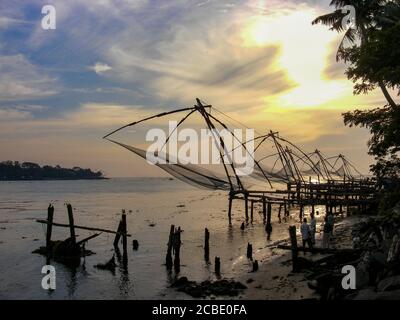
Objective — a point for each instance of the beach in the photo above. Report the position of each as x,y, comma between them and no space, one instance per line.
151,206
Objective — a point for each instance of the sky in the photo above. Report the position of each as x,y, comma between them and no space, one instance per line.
111,62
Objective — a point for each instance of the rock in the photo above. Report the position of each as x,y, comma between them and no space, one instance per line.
207,288
110,265
389,284
250,280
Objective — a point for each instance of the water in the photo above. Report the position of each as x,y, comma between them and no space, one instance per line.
98,203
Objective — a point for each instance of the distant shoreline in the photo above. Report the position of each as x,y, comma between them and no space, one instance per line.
54,179
30,171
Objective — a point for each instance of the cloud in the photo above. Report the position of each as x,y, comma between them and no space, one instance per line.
20,79
7,22
14,115
100,67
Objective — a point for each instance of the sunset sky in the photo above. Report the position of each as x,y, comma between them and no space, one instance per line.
111,62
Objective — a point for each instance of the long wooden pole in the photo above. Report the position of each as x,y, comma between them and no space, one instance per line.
80,227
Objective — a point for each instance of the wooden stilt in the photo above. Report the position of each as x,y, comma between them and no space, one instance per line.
264,209
246,204
230,209
279,213
252,210
301,212
268,226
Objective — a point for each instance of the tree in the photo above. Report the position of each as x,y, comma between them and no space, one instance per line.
370,15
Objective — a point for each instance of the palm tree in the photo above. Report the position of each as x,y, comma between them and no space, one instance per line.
370,15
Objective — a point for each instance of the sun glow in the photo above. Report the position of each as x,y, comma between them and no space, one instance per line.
304,52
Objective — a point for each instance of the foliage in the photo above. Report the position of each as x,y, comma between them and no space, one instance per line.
13,170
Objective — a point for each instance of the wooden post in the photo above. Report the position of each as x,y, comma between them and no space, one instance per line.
168,258
255,266
264,209
124,240
285,208
50,214
268,226
217,266
246,204
177,249
206,245
230,209
301,212
293,240
71,224
249,251
118,235
252,210
279,213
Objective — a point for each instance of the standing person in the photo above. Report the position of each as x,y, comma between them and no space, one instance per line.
313,227
326,237
306,235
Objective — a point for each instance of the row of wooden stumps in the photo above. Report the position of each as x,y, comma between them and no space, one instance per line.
174,246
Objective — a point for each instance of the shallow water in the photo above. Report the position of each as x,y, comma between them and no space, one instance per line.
98,203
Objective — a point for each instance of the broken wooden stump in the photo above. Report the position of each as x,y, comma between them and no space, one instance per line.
168,258
50,214
249,251
177,248
206,245
71,224
135,244
255,266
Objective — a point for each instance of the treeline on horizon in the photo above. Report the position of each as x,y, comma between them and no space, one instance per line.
14,170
